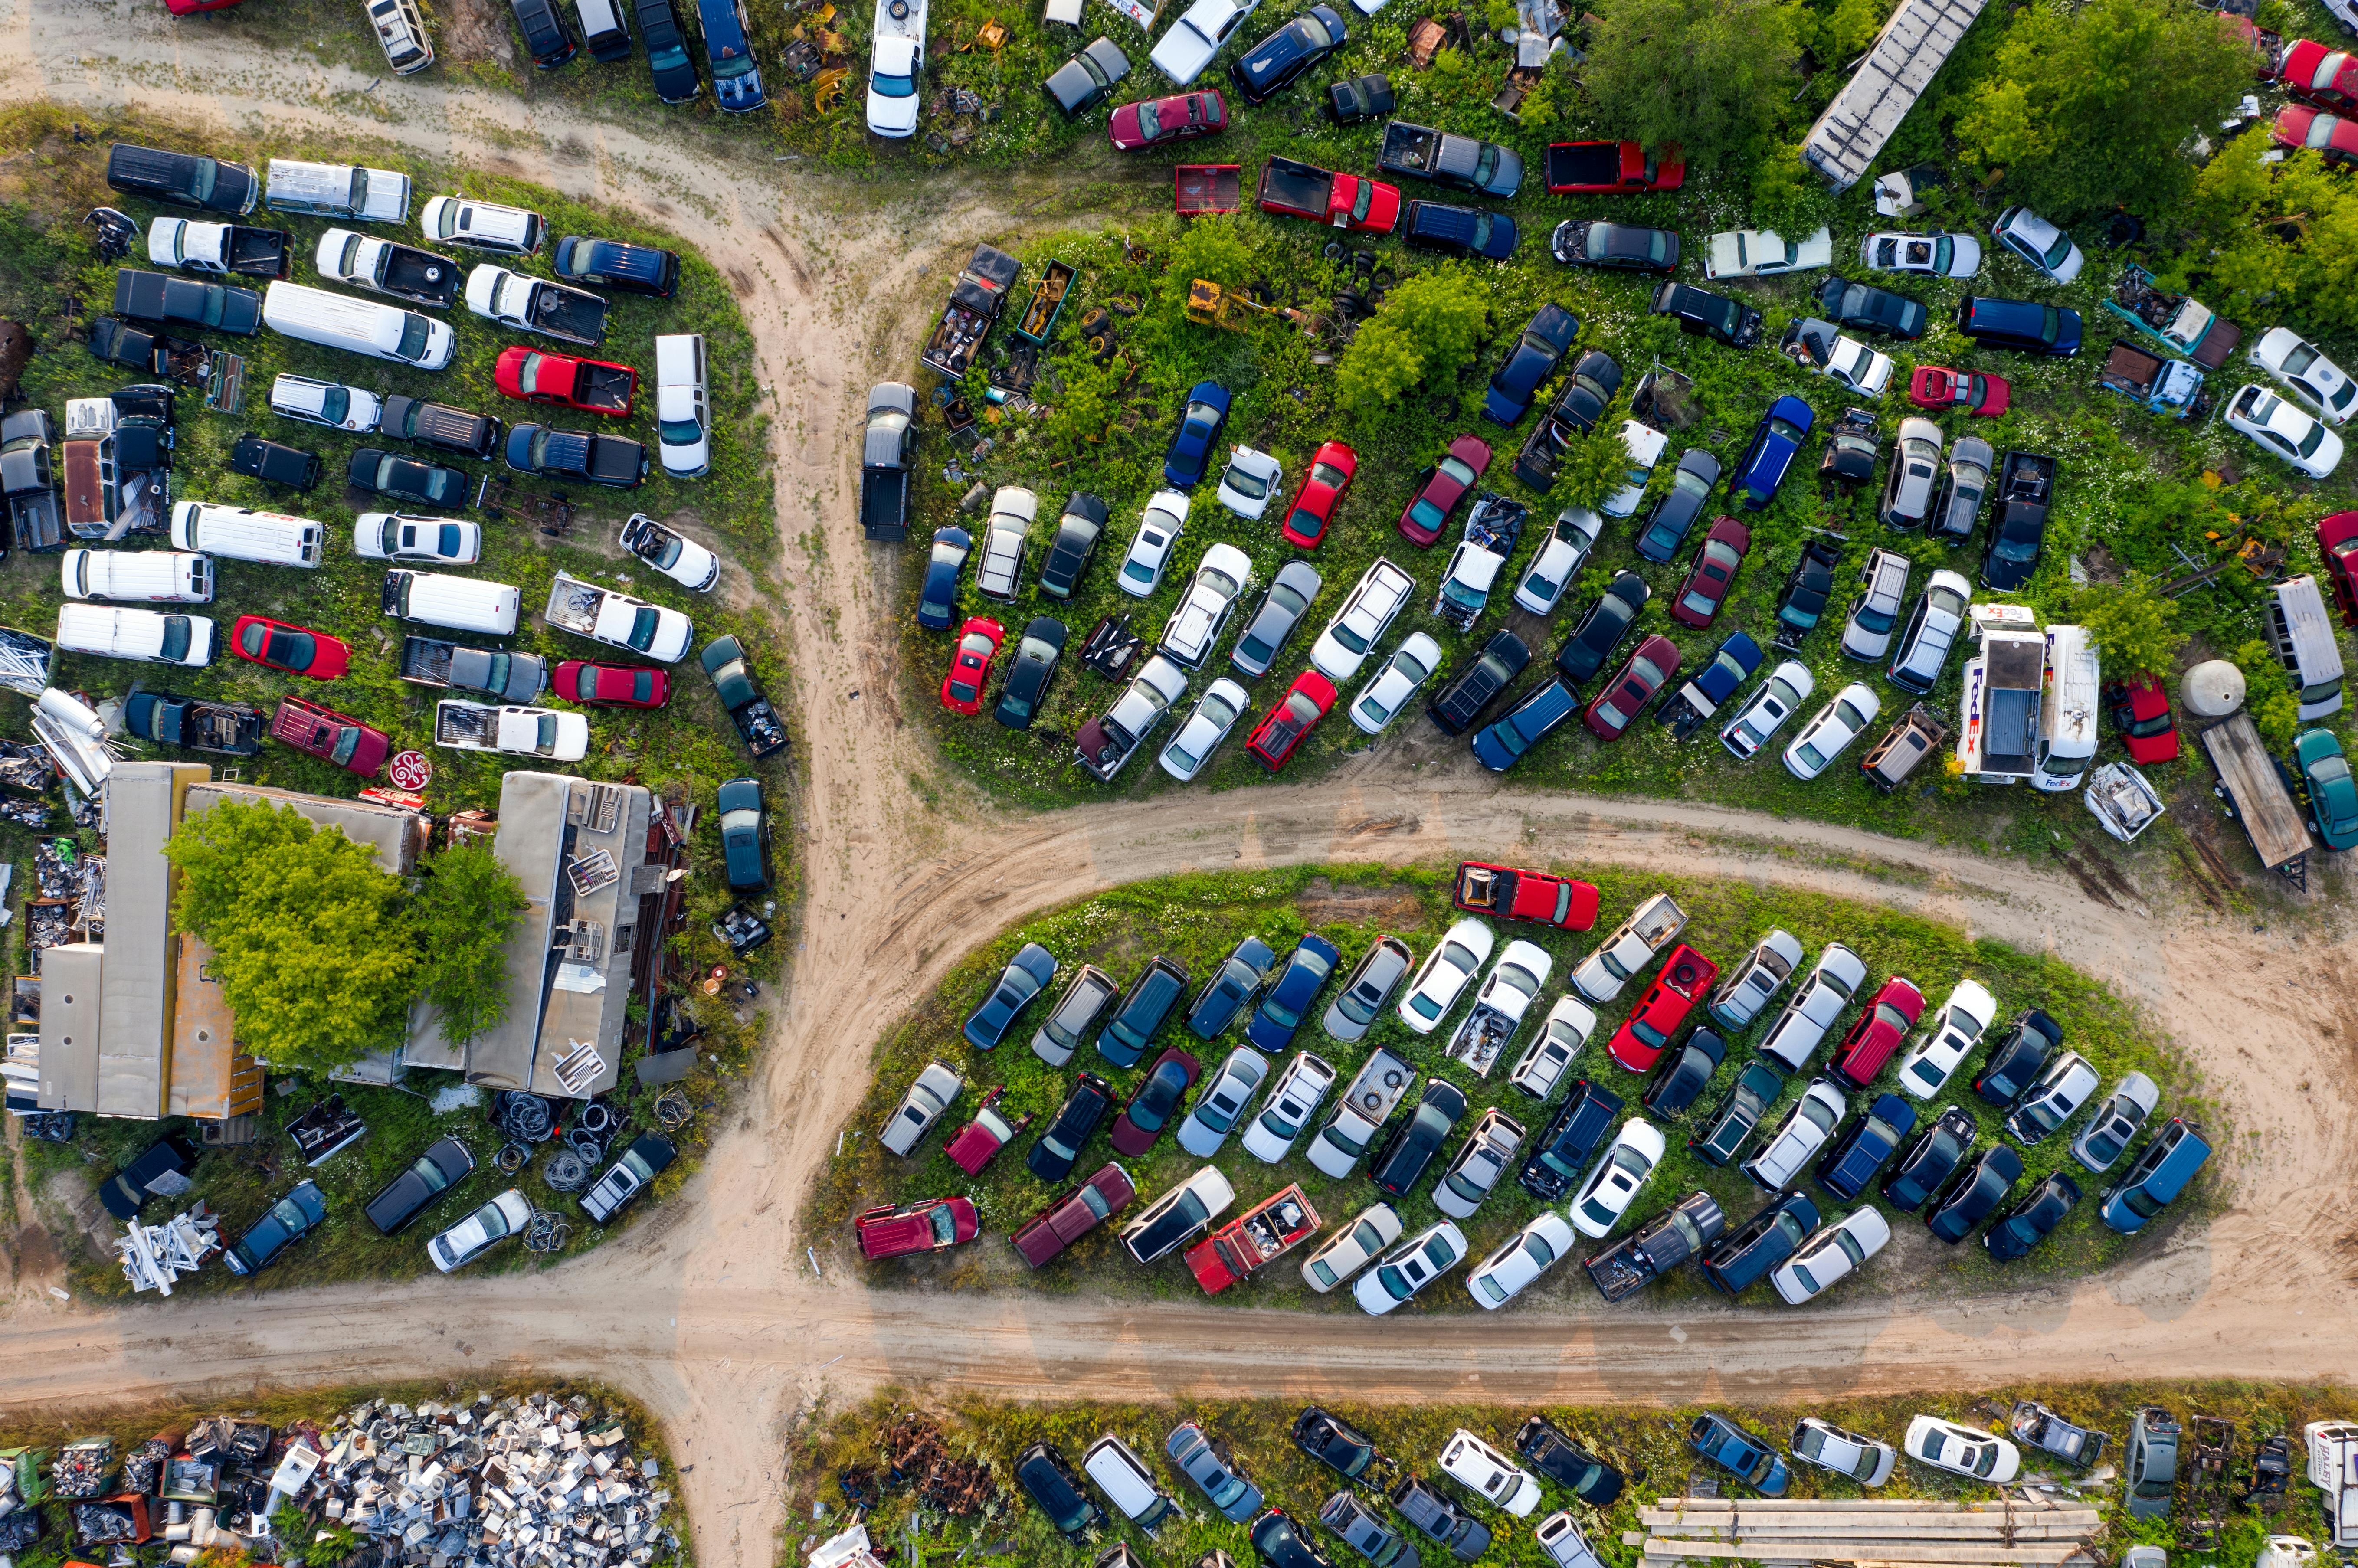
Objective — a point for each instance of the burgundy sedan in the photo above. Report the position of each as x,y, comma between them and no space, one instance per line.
1443,485
1155,1102
1632,686
612,686
2337,538
1157,121
1713,575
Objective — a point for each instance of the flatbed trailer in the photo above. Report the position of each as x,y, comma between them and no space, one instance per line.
2253,788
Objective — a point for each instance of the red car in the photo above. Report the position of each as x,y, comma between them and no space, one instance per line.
1595,168
1937,388
331,737
985,1136
2140,710
2330,136
298,651
1155,1103
1441,487
1879,1032
1331,469
1295,715
1646,1033
978,644
612,686
2323,76
1339,201
2337,539
537,376
1074,1215
1714,573
1512,894
1158,121
927,1226
1632,686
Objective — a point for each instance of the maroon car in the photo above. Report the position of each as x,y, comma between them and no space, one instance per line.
1154,1102
1157,121
1441,487
1713,574
1632,686
926,1226
1074,1214
331,735
1896,1009
612,686
2337,538
986,1135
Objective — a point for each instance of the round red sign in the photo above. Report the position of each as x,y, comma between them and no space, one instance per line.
411,770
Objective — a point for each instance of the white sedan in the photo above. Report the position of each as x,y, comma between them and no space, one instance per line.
1789,687
1355,1245
894,67
398,537
1220,1105
1606,1197
503,1215
1831,1255
1962,1450
1422,1258
1837,724
1558,560
1956,1029
1868,1461
1498,1479
1293,1101
1248,481
1754,252
1362,621
2315,380
2274,423
1925,255
1569,1025
1529,1253
1851,364
2039,243
1182,53
1447,972
1380,700
1166,519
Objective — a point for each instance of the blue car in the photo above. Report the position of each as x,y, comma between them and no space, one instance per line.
1199,433
1443,226
1861,1150
1736,1450
1525,725
1775,442
1027,975
2156,1177
744,833
1190,1450
1279,60
1677,509
729,52
1533,359
1741,1258
1232,985
1298,984
288,1221
937,600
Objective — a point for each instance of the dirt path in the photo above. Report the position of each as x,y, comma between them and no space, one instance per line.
709,1310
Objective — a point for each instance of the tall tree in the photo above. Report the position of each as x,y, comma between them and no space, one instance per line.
1421,336
2088,105
1708,76
2278,238
466,911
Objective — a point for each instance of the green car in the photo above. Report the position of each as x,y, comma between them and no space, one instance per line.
2332,792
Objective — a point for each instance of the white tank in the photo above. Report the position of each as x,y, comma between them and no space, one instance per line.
2213,689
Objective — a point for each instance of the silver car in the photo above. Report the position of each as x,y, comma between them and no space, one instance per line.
1959,508
1281,609
1883,582
1756,980
1380,700
1798,1137
1868,1461
1371,983
2068,1084
921,1107
1789,687
1000,571
1219,1106
1933,629
1915,474
2116,1121
1292,1101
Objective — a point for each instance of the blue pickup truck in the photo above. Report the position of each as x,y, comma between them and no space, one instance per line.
590,455
1441,226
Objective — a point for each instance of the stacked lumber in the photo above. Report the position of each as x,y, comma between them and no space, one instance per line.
1682,1532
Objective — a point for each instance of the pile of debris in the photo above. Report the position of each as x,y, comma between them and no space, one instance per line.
155,1255
914,1453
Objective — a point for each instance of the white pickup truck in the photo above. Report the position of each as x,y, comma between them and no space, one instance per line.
1649,930
194,244
518,732
536,305
1500,1007
617,619
896,61
2333,1470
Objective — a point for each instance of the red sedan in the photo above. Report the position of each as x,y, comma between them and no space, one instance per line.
1442,486
1632,686
2323,76
298,651
1643,1036
1940,388
978,644
2337,538
1322,491
2140,710
1879,1032
537,376
1158,122
2330,136
1714,573
1296,714
612,686
331,737
926,1226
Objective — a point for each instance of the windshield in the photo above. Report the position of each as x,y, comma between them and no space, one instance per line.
887,86
414,332
1252,487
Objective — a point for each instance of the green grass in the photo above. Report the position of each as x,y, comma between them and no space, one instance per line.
1196,919
1647,1444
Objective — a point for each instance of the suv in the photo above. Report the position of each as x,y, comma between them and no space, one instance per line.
1400,1162
1056,1491
1582,1124
2158,1175
1364,1532
1419,1502
181,179
2023,325
649,1155
1559,1459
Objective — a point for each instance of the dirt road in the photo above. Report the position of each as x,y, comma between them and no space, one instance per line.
708,1311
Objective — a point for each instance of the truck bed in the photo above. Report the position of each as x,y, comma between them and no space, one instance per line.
425,660
1206,187
2256,791
1482,1039
603,387
1047,300
257,253
975,302
573,604
569,314
420,275
1297,188
466,724
1576,164
884,504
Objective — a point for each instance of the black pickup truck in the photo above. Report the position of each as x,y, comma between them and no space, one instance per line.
975,300
733,682
440,426
159,296
887,460
1654,1248
1447,158
402,271
230,728
497,674
115,341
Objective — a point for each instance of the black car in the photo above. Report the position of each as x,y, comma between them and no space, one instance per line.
546,36
1978,1189
445,1163
1056,1491
1280,60
274,462
1460,230
1419,1502
1702,312
1143,1008
1077,533
1233,985
112,341
408,479
2016,1062
1060,1144
2018,530
1854,443
1084,81
1415,1140
1282,1544
1582,1124
286,1222
1357,98
1860,1148
1872,309
1682,1075
1602,627
1931,1161
1808,587
1462,698
186,301
1029,673
181,179
617,264
1342,1448
938,600
1533,359
1739,1259
1592,241
1559,1459
160,1167
1586,393
2028,1220
1677,509
669,65
1737,1114
439,426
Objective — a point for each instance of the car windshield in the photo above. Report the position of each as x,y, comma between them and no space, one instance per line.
1250,485
1361,203
1313,32
889,86
414,332
1150,123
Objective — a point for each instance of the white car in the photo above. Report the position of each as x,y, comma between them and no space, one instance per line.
1251,479
1558,560
1569,1025
2066,1084
1831,1255
1962,1450
1606,1197
1955,1029
1387,691
1932,631
1836,726
1179,1216
503,1215
1529,1253
398,537
2317,381
1883,593
1869,1461
999,565
1756,253
485,225
2039,243
2275,424
1448,970
1421,1259
1220,580
1789,686
683,418
1489,1474
1513,981
535,305
1182,53
896,60
2115,1122
1222,1103
1644,446
1634,944
1802,1027
1756,981
1293,1099
1352,1248
1216,713
672,553
1798,1137
921,1107
1934,255
1851,363
1366,614
328,403
1164,520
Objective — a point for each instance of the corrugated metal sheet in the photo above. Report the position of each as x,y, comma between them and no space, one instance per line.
69,1032
135,1042
1912,49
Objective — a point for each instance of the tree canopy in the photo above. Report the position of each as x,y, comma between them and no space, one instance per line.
1710,77
466,911
1421,336
2134,627
2283,235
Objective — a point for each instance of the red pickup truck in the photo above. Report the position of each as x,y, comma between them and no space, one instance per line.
1589,169
1074,1214
1510,894
1344,200
1274,1225
1640,1040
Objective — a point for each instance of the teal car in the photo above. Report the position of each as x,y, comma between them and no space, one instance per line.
2332,794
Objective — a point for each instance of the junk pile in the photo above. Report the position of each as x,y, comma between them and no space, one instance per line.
914,1453
155,1255
72,906
2030,1532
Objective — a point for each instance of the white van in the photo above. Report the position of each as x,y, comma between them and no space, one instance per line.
682,424
461,603
2300,634
337,190
156,576
149,635
1127,1483
358,326
274,538
2067,712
